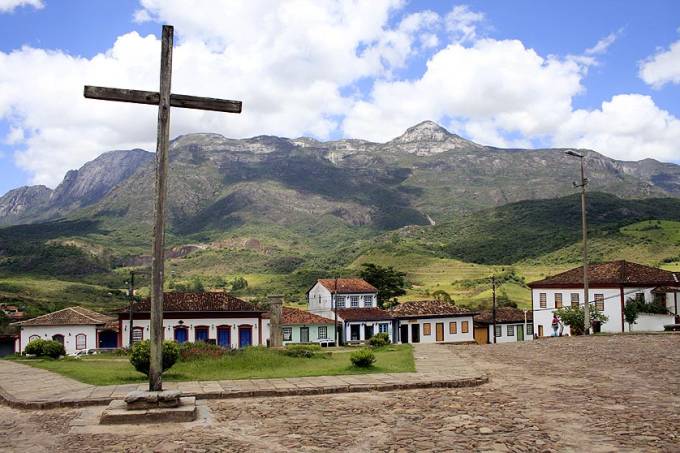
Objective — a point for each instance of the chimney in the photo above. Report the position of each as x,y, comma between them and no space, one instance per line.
275,333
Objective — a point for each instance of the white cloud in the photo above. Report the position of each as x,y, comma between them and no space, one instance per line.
629,127
499,85
461,23
662,68
7,6
288,70
293,63
603,44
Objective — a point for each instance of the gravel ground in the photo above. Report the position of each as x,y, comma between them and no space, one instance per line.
615,393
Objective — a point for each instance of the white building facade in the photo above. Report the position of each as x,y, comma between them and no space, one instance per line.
212,317
511,325
79,329
611,286
433,322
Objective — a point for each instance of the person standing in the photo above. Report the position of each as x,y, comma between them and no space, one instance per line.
555,324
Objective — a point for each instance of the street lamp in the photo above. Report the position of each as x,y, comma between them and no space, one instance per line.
584,227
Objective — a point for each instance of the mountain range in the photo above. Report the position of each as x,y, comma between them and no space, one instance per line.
427,175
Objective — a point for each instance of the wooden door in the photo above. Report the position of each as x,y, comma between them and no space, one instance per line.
304,334
440,331
481,334
520,333
540,331
403,333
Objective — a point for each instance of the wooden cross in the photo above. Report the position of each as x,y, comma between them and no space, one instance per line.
164,99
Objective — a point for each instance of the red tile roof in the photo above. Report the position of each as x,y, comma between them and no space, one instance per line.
424,308
615,273
363,314
192,302
503,315
348,285
67,317
292,316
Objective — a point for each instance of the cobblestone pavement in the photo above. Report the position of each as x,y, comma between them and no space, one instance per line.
571,394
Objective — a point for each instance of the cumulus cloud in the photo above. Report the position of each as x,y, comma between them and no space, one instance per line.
461,23
298,65
629,127
7,6
492,85
663,67
289,71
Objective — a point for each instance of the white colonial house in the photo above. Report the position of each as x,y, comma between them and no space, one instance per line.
511,325
80,330
213,317
611,285
433,321
301,326
356,302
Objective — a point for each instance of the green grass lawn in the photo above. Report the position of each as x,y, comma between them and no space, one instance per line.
252,363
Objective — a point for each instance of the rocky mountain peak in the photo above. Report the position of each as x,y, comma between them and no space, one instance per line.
17,202
427,131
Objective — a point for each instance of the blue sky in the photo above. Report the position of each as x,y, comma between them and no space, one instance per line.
498,72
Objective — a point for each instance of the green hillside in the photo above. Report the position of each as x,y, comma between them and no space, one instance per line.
47,266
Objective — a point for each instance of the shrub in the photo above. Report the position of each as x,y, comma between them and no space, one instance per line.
302,350
141,355
363,358
45,348
53,349
200,350
379,340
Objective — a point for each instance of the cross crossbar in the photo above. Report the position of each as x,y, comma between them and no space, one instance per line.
153,98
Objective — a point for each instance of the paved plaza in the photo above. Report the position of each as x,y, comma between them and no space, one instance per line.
599,394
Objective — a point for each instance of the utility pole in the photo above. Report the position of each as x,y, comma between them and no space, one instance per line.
334,303
493,288
584,227
131,294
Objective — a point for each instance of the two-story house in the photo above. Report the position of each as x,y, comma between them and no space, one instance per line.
356,302
611,285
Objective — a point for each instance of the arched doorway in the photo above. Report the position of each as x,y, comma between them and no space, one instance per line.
108,339
245,336
181,334
58,337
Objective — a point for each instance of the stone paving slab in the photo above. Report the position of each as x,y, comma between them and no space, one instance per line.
437,366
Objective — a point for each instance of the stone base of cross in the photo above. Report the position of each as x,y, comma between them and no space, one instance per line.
164,99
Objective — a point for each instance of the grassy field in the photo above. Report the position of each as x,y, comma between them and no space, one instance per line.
251,363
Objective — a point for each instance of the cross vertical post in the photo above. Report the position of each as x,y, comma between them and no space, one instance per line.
157,263
165,99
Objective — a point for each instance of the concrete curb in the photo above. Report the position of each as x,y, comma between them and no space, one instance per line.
11,401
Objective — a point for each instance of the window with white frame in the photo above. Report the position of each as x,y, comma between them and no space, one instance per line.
340,301
383,327
368,301
499,331
137,334
81,341
511,331
599,302
574,300
323,332
530,329
558,300
287,333
354,300
543,300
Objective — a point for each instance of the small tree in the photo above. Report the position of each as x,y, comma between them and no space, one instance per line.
389,282
442,296
574,317
140,355
197,285
630,312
